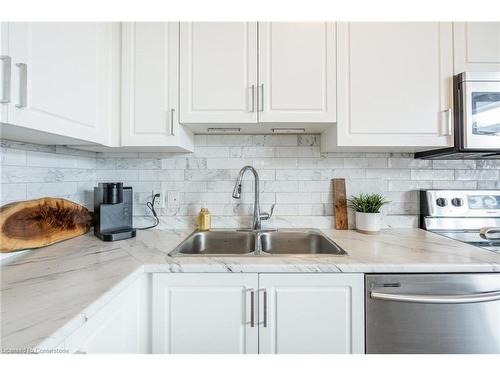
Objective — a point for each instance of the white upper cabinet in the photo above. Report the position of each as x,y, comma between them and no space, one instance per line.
218,74
394,85
205,313
477,46
275,72
311,314
369,84
150,84
297,72
62,78
5,68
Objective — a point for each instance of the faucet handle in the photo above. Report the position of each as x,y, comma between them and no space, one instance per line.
272,210
267,216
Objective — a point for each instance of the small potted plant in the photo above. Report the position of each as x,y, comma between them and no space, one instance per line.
367,207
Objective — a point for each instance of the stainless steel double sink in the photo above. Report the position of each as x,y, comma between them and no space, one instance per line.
257,243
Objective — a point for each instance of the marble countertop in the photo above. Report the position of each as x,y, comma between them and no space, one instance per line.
48,293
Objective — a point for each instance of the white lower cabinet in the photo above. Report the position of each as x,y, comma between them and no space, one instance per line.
291,313
122,326
204,313
228,313
311,313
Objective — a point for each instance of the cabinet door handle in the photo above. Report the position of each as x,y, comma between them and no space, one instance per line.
6,64
253,98
252,308
23,84
172,121
265,309
260,94
449,124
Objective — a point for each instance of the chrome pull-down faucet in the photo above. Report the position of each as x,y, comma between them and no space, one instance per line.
257,215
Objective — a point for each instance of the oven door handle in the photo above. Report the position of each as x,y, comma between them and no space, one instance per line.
437,299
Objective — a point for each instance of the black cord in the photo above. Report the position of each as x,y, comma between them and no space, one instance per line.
151,206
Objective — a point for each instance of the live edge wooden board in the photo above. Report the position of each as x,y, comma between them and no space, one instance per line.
41,222
340,203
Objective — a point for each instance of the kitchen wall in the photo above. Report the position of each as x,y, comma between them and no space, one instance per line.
294,175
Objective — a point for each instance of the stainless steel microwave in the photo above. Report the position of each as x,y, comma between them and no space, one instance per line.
476,113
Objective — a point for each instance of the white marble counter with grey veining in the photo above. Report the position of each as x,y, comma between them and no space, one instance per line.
46,294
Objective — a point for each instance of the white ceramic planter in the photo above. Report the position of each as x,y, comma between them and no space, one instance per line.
369,223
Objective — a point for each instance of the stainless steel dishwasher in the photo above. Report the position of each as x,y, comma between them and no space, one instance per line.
433,313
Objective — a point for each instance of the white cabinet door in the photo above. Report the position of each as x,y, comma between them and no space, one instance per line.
394,85
297,72
311,313
62,80
122,326
218,64
204,313
5,69
477,46
150,86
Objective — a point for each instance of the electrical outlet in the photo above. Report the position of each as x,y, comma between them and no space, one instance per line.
161,201
158,201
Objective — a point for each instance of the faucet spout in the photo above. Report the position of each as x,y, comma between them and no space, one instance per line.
237,190
257,216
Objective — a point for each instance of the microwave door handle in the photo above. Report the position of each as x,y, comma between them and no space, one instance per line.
437,299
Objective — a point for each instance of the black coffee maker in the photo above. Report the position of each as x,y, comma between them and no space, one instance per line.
113,205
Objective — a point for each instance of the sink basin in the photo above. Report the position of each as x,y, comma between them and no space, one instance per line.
213,243
243,243
298,242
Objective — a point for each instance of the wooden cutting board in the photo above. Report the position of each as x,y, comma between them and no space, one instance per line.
41,222
340,203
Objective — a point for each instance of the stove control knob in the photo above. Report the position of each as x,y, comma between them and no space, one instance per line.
457,202
441,202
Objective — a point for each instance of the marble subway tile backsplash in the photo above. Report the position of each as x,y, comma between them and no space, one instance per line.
31,171
294,174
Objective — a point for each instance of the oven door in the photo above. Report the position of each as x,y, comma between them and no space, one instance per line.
481,115
433,313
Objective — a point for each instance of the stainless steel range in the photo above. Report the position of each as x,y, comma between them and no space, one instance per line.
470,216
441,313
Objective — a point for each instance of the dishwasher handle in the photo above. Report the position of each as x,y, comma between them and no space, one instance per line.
437,299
